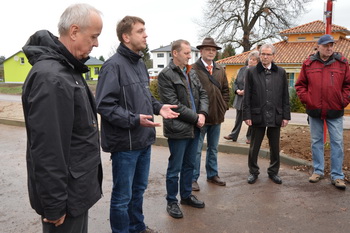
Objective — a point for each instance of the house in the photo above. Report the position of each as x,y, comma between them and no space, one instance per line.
299,42
94,67
17,67
162,56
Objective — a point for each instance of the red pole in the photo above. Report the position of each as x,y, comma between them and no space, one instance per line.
328,13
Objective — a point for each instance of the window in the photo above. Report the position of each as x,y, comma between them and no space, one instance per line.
290,77
169,54
21,60
96,70
316,37
302,38
160,66
160,54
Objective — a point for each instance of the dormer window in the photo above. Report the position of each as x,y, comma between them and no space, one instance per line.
302,38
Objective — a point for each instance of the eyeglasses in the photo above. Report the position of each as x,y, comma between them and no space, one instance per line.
267,54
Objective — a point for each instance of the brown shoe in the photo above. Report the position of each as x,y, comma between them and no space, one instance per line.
228,137
149,230
216,180
195,186
247,142
339,183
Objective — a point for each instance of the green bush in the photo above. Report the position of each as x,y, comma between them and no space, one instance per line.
232,92
153,86
295,104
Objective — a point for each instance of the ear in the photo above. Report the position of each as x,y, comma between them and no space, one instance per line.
126,38
73,31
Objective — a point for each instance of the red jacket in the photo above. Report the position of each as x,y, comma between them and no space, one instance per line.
324,86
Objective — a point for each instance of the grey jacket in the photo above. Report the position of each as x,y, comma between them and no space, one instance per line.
173,89
239,85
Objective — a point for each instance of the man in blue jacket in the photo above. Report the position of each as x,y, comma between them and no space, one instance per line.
126,106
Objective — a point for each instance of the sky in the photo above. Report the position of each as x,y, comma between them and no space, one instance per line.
166,21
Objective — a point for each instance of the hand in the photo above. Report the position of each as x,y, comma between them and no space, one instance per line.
248,122
240,92
284,123
201,120
145,122
167,113
57,222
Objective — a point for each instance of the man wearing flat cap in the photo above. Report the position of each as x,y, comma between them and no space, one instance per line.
214,81
324,87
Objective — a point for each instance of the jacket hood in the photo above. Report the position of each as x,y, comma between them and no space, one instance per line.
333,58
43,45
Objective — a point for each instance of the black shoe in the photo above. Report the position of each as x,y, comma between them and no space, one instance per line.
252,178
276,179
193,201
174,210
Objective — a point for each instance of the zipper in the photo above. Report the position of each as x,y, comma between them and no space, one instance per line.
332,78
126,107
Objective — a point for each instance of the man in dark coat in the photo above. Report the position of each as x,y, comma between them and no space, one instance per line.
63,151
126,106
214,81
266,107
178,84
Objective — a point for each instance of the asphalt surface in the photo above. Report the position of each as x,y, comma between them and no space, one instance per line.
294,206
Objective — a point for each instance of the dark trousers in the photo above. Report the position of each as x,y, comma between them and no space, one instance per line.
70,225
273,135
237,127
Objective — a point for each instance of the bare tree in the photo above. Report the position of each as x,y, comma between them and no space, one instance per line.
249,22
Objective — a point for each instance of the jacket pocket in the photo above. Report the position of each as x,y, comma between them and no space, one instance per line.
256,116
279,116
84,167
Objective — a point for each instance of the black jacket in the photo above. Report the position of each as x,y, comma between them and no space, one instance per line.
173,89
123,94
63,151
266,97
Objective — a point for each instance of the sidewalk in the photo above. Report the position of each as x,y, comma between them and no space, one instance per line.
11,114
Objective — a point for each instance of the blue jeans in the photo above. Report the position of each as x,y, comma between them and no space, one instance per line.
130,179
211,162
181,160
335,130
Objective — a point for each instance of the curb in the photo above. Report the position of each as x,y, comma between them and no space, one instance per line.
285,159
229,149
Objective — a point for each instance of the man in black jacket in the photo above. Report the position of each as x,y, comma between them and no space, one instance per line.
126,106
63,151
178,84
265,107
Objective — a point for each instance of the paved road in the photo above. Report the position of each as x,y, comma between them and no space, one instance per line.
293,207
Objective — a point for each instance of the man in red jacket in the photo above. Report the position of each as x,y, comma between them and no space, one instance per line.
324,87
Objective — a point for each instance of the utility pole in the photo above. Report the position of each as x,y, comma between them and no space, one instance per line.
328,15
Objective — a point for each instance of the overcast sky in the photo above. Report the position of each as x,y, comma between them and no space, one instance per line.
166,21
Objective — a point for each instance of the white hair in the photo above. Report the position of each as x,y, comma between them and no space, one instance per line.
76,14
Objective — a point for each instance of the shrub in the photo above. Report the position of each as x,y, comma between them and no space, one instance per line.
295,104
153,86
